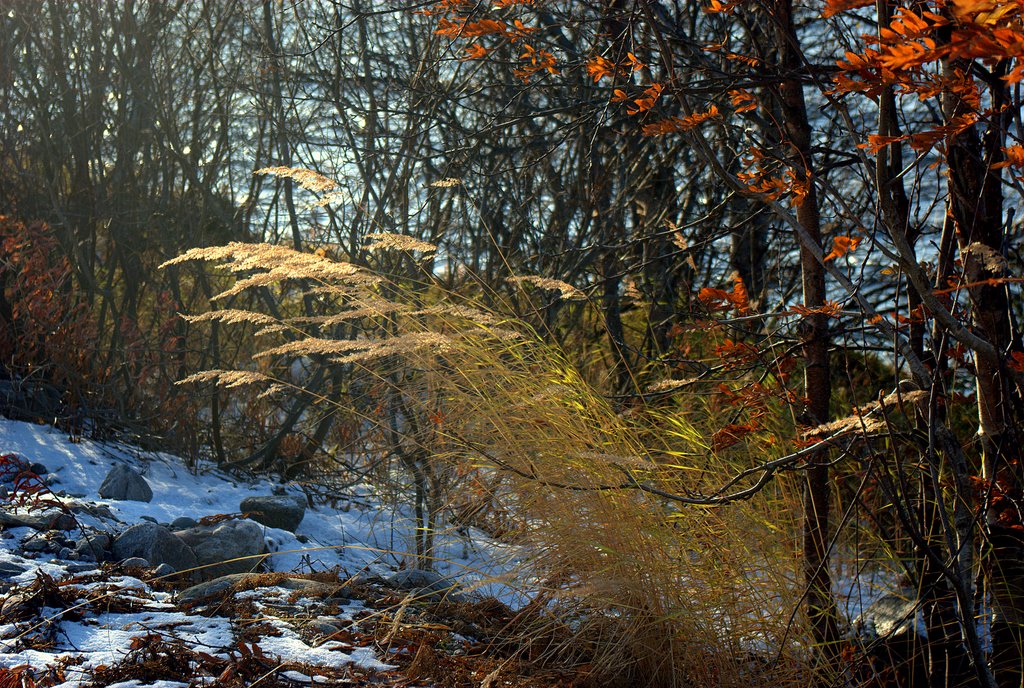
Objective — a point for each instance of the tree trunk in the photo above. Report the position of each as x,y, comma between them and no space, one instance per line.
976,207
815,339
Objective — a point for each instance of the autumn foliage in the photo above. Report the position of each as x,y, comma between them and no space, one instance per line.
47,335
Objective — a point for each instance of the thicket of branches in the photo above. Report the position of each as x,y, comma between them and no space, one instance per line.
774,218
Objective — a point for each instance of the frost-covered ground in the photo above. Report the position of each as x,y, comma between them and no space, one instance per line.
75,618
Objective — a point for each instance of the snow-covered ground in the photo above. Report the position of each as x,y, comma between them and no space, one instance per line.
359,539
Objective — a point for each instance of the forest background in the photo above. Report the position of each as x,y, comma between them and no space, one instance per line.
711,308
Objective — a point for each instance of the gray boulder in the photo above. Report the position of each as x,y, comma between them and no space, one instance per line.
891,631
225,585
164,570
183,522
423,583
155,544
48,520
124,483
888,617
284,512
95,546
136,562
225,548
9,570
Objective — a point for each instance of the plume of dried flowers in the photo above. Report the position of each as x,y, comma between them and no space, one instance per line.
227,378
398,242
446,183
307,179
232,316
568,292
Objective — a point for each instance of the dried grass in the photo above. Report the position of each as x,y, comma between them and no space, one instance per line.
639,590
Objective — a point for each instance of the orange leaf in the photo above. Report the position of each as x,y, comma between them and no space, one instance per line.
742,101
730,435
475,52
830,309
836,6
1014,158
646,101
716,7
877,142
679,124
841,245
599,67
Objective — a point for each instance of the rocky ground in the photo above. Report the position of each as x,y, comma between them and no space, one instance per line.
119,568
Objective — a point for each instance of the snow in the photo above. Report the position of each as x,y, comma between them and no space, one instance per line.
363,537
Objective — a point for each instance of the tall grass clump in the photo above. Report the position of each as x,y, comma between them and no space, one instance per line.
625,571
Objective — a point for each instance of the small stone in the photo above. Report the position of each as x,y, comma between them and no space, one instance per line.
424,583
66,553
36,545
9,570
135,562
225,585
95,546
125,483
38,469
323,628
151,519
275,511
50,520
97,510
183,522
164,570
16,607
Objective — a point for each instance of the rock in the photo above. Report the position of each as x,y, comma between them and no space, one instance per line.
80,567
322,628
149,519
274,511
38,469
50,520
136,562
16,607
164,570
95,546
97,510
156,545
892,633
225,585
124,483
66,554
9,570
889,616
37,545
30,401
225,548
211,589
423,583
183,522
